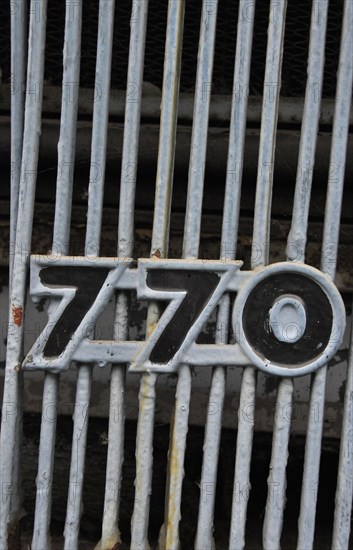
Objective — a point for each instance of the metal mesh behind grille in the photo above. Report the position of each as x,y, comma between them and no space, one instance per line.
295,46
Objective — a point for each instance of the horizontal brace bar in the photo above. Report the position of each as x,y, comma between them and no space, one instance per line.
125,352
290,108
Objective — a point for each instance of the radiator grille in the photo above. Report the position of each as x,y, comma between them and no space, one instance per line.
179,47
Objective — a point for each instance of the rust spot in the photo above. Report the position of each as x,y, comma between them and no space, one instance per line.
157,253
17,315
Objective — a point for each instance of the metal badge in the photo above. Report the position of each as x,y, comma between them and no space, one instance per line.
277,323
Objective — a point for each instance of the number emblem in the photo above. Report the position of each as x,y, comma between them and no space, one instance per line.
288,319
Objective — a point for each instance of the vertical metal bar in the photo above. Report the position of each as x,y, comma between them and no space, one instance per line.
344,489
161,221
306,523
212,439
100,126
160,236
92,245
311,116
168,127
18,82
339,145
193,212
276,496
139,522
144,461
68,124
66,159
177,445
132,127
110,528
261,231
191,243
78,451
241,488
328,265
231,207
44,480
228,251
11,399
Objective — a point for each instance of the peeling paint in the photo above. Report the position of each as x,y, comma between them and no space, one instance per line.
151,328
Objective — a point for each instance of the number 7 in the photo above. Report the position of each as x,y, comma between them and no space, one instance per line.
193,290
84,291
